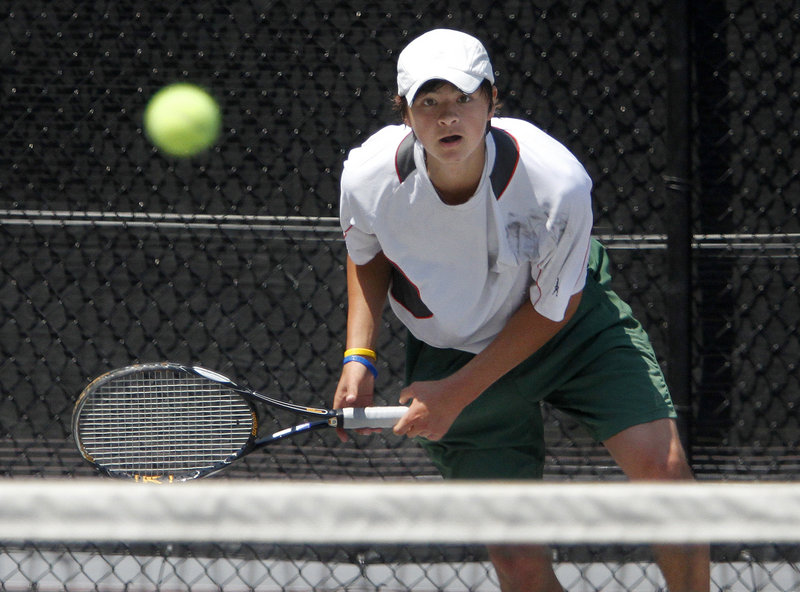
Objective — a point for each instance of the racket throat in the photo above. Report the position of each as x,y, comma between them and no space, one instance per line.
303,427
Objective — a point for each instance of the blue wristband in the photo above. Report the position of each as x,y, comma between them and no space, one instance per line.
362,360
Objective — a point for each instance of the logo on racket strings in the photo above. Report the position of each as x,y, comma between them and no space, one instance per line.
153,478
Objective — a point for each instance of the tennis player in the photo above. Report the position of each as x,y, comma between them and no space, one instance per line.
478,229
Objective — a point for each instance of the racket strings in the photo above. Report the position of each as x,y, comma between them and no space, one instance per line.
156,421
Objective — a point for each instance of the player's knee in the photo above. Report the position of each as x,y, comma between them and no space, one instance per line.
661,465
651,451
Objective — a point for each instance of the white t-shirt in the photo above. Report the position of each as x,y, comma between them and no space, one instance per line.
461,271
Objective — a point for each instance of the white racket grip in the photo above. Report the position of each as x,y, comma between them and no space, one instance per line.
354,418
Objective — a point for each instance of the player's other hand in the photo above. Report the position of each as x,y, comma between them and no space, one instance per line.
432,411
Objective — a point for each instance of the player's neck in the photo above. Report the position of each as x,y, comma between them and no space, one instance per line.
457,182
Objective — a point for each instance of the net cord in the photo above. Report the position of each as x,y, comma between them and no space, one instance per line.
398,512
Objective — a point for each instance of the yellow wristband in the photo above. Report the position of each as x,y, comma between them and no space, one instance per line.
361,351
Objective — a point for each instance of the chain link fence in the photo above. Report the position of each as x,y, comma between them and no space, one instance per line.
113,253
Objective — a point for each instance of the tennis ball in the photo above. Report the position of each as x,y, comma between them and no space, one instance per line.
182,119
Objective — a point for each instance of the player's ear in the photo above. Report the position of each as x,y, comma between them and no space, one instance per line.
400,106
406,113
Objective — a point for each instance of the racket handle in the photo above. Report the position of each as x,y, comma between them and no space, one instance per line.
354,418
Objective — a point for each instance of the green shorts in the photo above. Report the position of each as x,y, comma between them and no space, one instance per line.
600,369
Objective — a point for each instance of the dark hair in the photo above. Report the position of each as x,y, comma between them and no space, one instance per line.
400,104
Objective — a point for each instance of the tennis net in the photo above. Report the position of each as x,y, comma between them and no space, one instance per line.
236,535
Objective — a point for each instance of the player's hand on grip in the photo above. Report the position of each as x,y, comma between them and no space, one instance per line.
356,388
432,410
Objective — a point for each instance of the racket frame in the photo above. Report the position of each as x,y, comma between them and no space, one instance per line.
318,418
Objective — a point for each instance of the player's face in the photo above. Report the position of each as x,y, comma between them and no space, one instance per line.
451,125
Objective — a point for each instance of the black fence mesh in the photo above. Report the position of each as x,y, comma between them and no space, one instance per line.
113,253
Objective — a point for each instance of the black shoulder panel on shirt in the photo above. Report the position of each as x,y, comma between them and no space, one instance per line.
505,163
404,157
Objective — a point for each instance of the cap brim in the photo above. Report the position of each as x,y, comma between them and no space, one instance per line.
466,83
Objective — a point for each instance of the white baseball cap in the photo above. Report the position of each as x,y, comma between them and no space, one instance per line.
443,54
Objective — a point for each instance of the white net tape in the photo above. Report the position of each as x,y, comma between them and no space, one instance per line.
392,512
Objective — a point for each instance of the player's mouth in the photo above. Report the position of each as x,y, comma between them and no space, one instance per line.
448,140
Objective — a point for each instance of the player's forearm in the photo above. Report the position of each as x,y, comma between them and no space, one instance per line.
367,286
523,335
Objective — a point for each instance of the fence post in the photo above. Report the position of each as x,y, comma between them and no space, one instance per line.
677,179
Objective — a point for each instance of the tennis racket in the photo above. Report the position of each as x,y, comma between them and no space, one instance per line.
167,422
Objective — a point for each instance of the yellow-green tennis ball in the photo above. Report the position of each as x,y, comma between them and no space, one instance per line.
182,119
